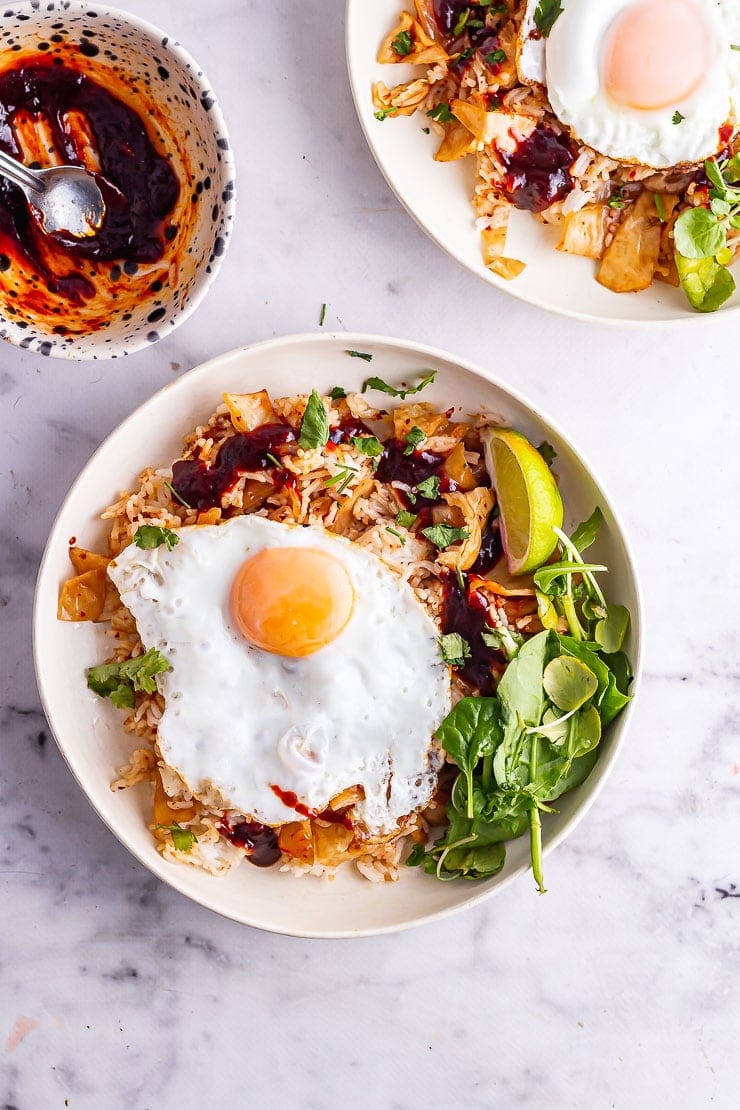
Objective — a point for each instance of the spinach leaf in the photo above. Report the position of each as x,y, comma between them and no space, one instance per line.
469,732
314,431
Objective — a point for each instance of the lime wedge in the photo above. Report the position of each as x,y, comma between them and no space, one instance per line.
528,498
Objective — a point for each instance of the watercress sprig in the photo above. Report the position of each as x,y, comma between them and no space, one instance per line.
700,236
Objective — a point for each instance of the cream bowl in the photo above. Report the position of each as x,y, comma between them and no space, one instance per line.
134,304
89,730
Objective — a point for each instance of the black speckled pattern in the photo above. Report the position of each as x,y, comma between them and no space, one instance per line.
161,68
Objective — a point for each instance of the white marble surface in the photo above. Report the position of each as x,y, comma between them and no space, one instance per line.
617,989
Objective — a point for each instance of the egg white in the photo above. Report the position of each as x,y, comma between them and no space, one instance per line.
361,710
567,63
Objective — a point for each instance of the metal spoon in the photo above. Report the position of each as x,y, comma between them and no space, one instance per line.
67,198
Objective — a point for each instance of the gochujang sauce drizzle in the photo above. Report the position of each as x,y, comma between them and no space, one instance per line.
465,613
259,841
145,186
202,486
538,170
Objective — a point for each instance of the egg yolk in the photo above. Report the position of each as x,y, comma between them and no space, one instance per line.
656,54
292,601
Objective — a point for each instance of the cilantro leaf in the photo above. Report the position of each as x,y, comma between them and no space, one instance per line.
442,535
402,44
442,113
183,839
677,117
314,424
367,445
413,439
495,57
548,452
120,681
148,536
336,393
429,488
360,354
383,387
405,519
545,15
453,649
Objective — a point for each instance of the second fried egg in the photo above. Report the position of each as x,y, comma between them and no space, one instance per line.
654,82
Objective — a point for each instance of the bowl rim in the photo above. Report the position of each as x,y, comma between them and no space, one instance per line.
358,341
510,288
204,280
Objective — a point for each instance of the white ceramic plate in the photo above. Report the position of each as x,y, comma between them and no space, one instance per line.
88,729
438,196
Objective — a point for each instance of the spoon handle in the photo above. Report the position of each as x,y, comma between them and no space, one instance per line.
10,167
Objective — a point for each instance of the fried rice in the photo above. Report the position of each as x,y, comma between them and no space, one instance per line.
620,214
363,508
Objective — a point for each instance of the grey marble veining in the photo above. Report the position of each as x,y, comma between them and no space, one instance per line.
617,989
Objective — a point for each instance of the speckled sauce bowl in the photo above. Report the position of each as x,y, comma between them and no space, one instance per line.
134,303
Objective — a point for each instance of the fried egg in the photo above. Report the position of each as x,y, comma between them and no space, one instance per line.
300,664
656,82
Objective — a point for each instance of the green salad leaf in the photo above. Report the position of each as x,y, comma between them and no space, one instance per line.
700,238
519,751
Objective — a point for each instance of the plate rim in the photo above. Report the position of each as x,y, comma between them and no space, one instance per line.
510,288
358,340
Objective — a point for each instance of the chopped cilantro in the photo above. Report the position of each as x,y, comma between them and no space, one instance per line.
120,681
677,117
404,519
336,393
546,13
152,535
398,535
383,113
413,439
616,200
495,57
176,495
360,354
367,445
429,488
402,44
183,839
454,649
442,113
442,535
383,387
